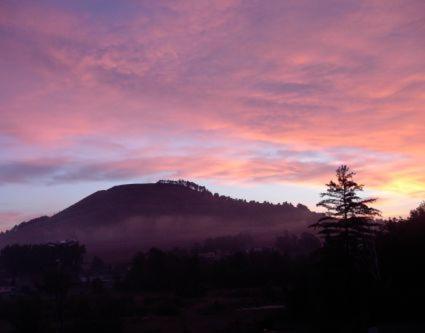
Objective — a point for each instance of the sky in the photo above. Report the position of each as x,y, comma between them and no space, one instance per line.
254,99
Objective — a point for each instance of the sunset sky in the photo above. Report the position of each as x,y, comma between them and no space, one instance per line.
254,99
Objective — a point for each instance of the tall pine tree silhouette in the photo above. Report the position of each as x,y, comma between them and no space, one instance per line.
348,225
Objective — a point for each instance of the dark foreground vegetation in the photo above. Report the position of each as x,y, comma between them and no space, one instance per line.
364,276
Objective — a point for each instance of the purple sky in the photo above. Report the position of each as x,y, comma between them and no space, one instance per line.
257,99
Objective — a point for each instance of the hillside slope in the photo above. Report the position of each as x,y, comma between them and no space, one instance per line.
126,218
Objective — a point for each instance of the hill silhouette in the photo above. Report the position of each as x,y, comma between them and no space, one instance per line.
126,218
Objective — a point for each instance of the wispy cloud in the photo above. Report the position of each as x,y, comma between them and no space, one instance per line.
117,90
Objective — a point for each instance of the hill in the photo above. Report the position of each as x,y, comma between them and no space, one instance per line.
123,219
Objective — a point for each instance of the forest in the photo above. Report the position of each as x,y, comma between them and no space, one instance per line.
352,271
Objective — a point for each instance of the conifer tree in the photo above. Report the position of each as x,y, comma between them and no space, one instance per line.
349,220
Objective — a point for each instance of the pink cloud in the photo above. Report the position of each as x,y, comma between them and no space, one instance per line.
239,78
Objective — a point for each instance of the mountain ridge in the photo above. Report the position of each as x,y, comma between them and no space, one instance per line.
166,213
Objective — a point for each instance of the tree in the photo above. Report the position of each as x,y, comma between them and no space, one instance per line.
348,266
52,267
348,224
418,214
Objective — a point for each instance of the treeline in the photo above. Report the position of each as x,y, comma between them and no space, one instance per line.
185,183
190,274
315,291
226,204
348,296
220,262
37,259
314,287
287,243
361,274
